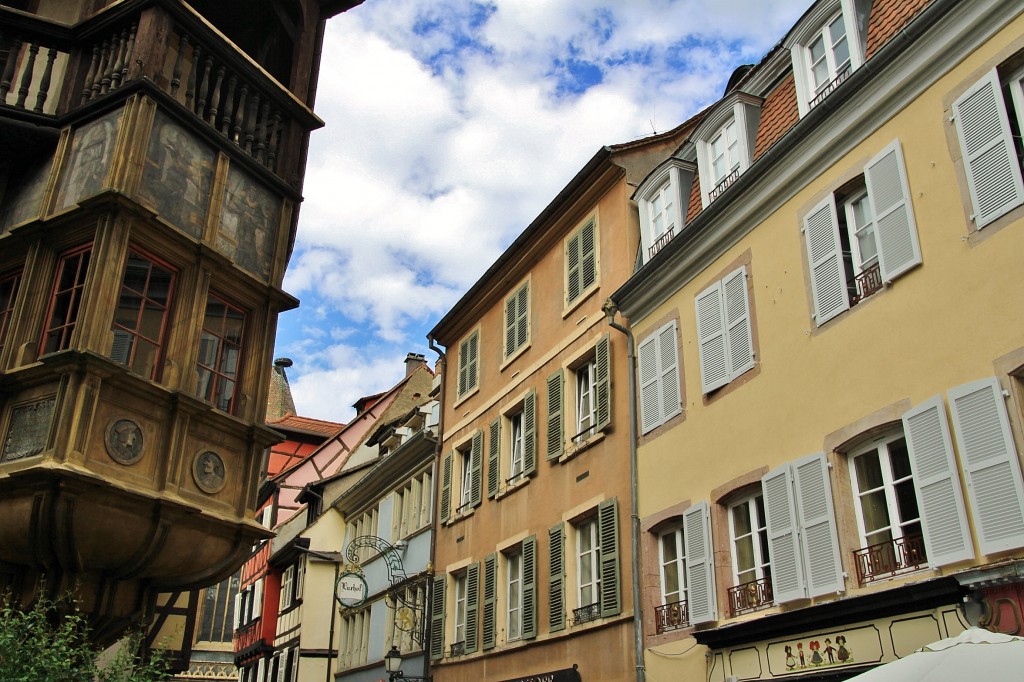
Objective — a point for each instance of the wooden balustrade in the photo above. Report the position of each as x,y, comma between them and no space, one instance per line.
29,57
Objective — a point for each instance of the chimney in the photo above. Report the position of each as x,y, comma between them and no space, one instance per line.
413,361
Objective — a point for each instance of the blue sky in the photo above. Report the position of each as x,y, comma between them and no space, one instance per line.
450,126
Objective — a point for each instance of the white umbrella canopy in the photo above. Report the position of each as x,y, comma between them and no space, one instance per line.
971,654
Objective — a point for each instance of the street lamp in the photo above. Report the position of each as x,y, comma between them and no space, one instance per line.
393,665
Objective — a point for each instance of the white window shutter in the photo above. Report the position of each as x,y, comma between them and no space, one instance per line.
668,355
943,521
825,258
990,161
740,342
702,602
650,389
990,463
783,536
714,360
823,567
257,599
889,195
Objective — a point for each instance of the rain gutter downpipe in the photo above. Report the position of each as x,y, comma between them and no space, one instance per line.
610,311
442,362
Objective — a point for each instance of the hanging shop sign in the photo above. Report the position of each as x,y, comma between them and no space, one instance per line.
351,589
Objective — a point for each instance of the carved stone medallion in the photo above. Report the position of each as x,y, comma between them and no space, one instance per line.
208,472
124,441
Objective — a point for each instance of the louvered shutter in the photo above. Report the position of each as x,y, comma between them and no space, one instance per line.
530,433
530,587
463,367
555,409
895,228
990,161
476,455
823,567
437,619
824,255
238,618
510,325
490,614
990,462
472,606
603,382
739,341
257,599
702,602
650,384
573,284
556,578
446,488
522,315
493,454
783,536
668,358
588,255
714,363
940,502
608,530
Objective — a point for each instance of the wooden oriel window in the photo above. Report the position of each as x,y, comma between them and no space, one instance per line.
66,299
140,322
8,290
220,351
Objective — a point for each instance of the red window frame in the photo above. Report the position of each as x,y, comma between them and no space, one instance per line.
142,303
8,292
219,362
65,299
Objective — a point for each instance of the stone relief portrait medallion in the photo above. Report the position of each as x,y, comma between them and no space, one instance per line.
208,472
124,441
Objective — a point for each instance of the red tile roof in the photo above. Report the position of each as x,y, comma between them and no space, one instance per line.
888,17
779,113
695,202
297,423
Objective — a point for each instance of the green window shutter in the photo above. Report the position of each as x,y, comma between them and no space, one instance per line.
555,438
446,488
530,587
493,451
489,626
468,363
476,469
472,606
608,530
523,315
510,325
437,619
588,255
530,433
464,367
603,382
556,580
573,285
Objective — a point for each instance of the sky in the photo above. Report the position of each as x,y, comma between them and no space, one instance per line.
450,126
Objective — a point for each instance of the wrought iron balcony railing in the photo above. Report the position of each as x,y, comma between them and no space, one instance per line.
825,91
457,649
868,282
585,614
887,559
757,594
671,617
723,185
661,242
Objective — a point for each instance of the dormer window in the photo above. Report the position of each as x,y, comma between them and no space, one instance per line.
826,47
662,199
725,143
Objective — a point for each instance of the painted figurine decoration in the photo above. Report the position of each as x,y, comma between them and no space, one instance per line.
800,653
816,658
844,654
830,651
790,661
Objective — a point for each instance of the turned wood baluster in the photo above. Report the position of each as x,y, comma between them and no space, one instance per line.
129,52
44,83
26,75
227,105
215,97
193,75
108,66
251,120
240,113
204,87
178,61
13,50
122,47
101,68
261,132
90,77
277,132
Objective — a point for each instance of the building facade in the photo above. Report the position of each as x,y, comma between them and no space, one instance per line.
829,353
532,569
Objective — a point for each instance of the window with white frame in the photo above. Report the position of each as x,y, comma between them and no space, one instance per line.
291,585
826,47
672,613
663,199
598,582
516,446
888,517
460,610
512,445
466,489
658,358
588,573
586,401
724,143
355,639
411,508
514,595
581,409
751,563
861,236
989,123
364,524
461,482
517,319
581,262
724,334
469,363
249,606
